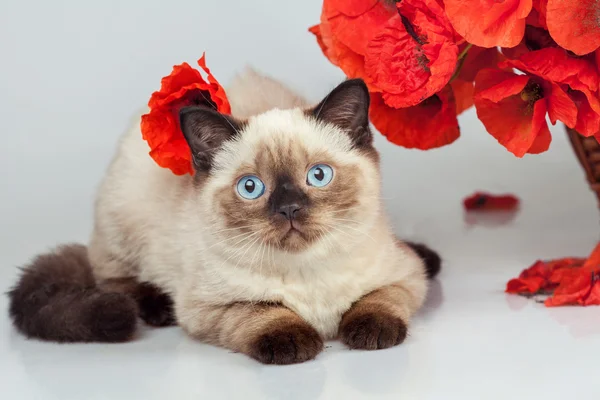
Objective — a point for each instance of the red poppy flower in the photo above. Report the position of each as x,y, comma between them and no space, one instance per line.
490,202
430,124
574,24
160,127
413,56
489,23
513,110
368,39
572,84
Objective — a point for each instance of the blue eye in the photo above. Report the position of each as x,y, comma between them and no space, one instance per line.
320,175
250,187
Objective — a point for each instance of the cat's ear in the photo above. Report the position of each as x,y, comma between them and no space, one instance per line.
347,107
205,130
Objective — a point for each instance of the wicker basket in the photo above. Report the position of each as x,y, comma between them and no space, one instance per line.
587,150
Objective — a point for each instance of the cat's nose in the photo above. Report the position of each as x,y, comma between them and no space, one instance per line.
289,211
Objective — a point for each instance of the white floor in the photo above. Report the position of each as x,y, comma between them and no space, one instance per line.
73,74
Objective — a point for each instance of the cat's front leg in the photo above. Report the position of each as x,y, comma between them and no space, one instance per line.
269,333
380,319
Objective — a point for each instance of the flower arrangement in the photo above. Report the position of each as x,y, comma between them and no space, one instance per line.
427,61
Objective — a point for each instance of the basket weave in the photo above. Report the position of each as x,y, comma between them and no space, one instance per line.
587,150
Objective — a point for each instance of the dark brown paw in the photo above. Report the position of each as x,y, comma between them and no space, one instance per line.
287,345
155,306
372,331
112,317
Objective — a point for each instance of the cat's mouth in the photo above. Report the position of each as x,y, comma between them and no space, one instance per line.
291,236
295,237
294,229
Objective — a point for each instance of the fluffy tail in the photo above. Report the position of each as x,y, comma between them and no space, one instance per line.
56,299
431,259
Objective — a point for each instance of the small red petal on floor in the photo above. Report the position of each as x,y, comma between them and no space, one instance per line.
481,201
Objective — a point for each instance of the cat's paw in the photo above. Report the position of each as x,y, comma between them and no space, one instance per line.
155,306
289,344
372,330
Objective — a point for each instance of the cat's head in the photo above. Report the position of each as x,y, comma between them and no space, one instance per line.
294,180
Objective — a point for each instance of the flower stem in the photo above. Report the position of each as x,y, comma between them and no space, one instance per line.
463,53
461,60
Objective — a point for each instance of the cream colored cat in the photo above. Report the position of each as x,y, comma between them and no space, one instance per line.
277,243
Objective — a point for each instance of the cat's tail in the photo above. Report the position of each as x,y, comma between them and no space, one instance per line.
56,299
431,259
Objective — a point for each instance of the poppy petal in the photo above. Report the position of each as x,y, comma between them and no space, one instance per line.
561,107
543,137
489,23
463,94
574,24
316,30
345,29
425,126
554,64
353,8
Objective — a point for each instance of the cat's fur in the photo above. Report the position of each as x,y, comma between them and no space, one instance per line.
237,275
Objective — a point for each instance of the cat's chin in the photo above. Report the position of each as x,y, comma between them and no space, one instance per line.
295,241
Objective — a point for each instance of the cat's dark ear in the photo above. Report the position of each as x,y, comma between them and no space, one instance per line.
205,130
347,106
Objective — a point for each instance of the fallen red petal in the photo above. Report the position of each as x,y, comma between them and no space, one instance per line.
488,202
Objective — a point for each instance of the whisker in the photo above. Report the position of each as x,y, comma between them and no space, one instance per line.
238,227
245,252
235,248
254,256
262,256
229,239
272,251
360,232
341,231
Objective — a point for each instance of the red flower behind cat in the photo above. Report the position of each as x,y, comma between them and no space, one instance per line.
513,107
414,54
185,86
407,55
572,82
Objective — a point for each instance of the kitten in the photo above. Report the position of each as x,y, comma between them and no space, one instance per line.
277,243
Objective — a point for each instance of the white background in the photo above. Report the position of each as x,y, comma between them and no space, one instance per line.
74,73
